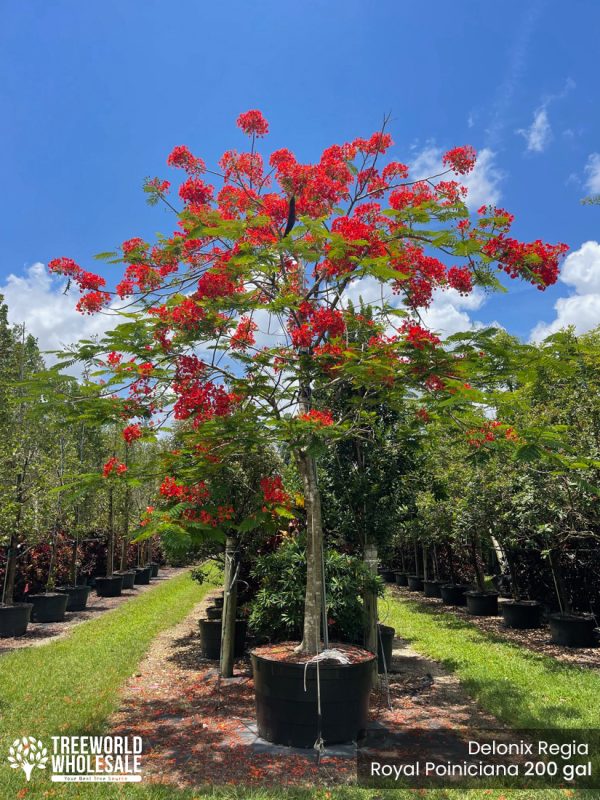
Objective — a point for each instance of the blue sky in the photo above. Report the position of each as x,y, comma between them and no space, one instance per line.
95,94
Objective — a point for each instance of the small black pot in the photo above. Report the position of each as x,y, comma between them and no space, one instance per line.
210,638
154,567
128,576
109,587
432,588
521,614
212,612
14,619
218,601
482,604
142,575
287,714
415,583
48,607
453,594
77,596
401,578
573,630
385,645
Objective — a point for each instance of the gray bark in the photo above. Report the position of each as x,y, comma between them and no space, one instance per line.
229,608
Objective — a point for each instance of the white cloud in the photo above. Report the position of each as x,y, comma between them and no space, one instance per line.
38,300
539,133
483,183
581,309
592,171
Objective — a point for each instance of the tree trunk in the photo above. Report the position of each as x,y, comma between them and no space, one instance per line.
425,568
73,566
313,599
559,584
436,567
370,600
8,594
416,554
110,549
229,607
475,553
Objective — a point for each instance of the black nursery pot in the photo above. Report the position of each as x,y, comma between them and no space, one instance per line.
128,576
432,588
401,578
109,587
482,604
415,583
14,619
218,601
154,567
142,575
50,607
573,630
387,575
210,638
521,614
385,645
212,612
453,594
77,596
287,715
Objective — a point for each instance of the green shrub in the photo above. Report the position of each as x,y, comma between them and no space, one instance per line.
277,611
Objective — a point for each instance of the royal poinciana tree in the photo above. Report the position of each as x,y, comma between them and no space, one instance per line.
231,319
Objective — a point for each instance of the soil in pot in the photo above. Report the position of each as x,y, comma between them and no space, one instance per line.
387,575
142,575
573,630
128,576
50,607
432,588
77,596
287,715
154,567
14,619
522,614
212,612
210,638
401,578
109,587
415,583
482,604
453,594
385,646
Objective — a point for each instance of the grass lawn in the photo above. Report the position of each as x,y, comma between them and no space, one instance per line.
71,686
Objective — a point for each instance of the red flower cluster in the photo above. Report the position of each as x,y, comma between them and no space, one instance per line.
253,123
460,278
132,432
273,491
418,336
489,432
172,490
181,158
94,299
318,417
317,323
529,260
460,159
243,336
113,466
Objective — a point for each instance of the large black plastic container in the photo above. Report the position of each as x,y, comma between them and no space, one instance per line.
573,630
482,604
154,567
387,575
77,596
14,619
128,576
50,607
415,583
385,646
210,638
522,614
453,594
142,575
287,715
109,587
218,601
432,588
212,612
401,578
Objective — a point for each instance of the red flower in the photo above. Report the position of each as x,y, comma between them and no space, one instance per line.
132,432
92,302
181,158
113,466
273,491
243,336
114,359
419,337
319,417
460,159
253,123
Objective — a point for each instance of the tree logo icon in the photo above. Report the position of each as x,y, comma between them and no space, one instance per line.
27,753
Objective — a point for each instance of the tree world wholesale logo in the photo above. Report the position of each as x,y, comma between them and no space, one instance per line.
80,759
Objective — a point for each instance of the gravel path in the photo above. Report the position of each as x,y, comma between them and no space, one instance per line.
40,633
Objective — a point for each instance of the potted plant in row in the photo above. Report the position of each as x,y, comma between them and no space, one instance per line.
274,256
